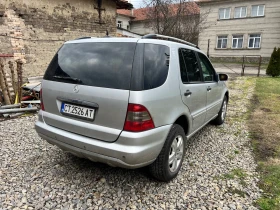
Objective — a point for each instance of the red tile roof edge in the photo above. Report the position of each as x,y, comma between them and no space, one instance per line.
141,13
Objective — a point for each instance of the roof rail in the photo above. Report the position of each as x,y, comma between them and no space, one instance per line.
168,38
86,37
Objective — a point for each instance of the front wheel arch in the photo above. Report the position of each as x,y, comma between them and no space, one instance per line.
219,120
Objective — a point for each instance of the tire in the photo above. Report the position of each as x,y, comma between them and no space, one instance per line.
220,119
161,169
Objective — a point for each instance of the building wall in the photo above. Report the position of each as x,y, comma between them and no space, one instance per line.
140,28
125,21
268,26
34,30
126,33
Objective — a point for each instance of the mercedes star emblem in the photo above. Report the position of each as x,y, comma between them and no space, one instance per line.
76,89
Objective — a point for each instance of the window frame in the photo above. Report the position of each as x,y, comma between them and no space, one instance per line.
240,13
237,41
224,13
258,10
249,37
222,42
119,24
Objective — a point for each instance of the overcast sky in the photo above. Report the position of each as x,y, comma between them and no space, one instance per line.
138,3
143,3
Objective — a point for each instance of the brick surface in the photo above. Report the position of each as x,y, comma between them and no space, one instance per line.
34,30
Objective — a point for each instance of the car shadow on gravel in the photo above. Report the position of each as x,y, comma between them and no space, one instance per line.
70,167
85,173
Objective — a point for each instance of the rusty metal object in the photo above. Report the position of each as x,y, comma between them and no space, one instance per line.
13,75
10,106
17,110
19,73
248,63
31,102
7,84
3,84
13,115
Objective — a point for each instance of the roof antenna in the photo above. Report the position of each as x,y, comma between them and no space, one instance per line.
107,33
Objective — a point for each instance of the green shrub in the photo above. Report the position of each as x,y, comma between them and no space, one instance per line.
273,68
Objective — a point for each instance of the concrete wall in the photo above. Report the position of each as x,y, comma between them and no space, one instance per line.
125,33
268,26
34,30
140,27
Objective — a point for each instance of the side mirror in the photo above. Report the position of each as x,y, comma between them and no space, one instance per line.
223,77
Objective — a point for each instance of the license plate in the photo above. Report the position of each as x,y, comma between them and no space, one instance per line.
78,111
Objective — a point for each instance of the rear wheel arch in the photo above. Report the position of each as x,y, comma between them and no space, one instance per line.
184,123
169,161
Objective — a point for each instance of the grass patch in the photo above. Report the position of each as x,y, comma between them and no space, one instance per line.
271,186
236,173
236,191
264,124
265,119
239,173
236,152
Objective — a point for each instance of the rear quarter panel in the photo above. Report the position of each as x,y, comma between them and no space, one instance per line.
164,103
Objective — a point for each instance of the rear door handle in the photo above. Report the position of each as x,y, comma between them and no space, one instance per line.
187,93
208,89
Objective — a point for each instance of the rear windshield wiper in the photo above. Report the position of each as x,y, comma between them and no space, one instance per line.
69,78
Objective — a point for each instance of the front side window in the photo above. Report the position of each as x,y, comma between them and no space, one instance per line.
222,42
189,66
254,41
240,12
237,41
224,13
208,71
257,10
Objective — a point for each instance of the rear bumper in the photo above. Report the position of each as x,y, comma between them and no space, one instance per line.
131,150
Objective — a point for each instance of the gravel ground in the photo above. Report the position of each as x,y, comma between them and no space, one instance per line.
218,171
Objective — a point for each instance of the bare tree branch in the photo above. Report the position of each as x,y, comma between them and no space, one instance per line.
180,19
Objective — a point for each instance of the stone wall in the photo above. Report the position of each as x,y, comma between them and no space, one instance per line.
253,59
33,30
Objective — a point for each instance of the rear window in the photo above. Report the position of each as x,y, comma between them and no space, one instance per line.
106,65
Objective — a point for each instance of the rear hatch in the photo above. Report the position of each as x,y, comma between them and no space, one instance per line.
86,88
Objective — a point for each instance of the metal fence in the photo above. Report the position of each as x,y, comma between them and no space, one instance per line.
249,63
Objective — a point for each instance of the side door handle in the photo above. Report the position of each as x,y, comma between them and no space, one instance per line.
209,88
187,93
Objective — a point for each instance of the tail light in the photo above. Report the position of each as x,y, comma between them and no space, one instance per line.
138,119
41,98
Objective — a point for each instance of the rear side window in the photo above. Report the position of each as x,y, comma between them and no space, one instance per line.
156,65
106,65
189,67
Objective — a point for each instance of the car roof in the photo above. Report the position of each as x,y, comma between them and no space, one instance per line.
103,39
132,40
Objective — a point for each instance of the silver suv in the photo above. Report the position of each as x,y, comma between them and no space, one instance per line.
130,102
